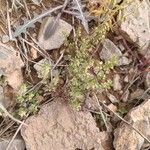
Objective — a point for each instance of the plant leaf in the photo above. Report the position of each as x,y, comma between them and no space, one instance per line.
29,23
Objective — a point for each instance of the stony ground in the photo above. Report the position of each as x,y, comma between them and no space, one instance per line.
36,110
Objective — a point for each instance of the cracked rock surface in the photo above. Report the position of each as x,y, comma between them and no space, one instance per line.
136,24
58,127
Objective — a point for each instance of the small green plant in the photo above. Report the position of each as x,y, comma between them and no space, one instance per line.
122,111
27,102
99,120
85,72
49,76
27,96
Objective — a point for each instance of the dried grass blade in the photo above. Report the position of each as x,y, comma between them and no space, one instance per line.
29,23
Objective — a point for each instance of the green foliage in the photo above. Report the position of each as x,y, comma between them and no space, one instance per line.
49,76
27,96
99,120
85,72
27,102
43,69
122,111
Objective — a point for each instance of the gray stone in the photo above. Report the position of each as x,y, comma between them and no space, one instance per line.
109,50
112,107
106,140
59,127
112,98
91,103
5,38
125,96
123,61
58,35
18,144
116,83
128,139
121,47
126,79
138,94
136,24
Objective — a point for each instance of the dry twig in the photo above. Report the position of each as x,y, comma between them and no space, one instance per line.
11,141
10,116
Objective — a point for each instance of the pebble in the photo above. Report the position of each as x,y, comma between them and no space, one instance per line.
109,50
116,83
123,61
5,39
125,96
112,98
52,39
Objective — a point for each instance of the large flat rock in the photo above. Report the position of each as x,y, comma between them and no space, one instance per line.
59,127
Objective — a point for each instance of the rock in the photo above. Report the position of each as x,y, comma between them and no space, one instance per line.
125,138
3,6
59,127
125,96
56,37
112,98
16,79
18,144
136,24
126,79
5,38
112,107
121,47
91,103
123,61
147,80
115,120
106,140
4,100
10,65
109,50
34,53
138,94
116,83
